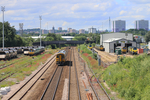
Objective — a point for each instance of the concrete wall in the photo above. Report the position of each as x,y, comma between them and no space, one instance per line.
106,46
111,49
104,37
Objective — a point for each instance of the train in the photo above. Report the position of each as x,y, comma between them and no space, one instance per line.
61,57
90,46
123,49
36,50
12,52
100,47
132,50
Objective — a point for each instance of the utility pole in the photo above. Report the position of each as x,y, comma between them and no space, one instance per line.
40,29
3,9
109,25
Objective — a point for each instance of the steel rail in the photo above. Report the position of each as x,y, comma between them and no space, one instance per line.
77,77
91,84
31,79
96,79
57,84
48,84
100,84
69,77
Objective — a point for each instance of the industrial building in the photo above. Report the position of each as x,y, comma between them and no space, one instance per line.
142,24
119,25
111,40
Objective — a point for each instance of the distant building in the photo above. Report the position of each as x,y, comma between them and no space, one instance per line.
142,24
81,31
73,31
92,30
60,28
42,31
68,38
119,25
53,28
69,30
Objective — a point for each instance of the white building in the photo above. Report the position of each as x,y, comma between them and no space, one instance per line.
81,31
68,38
92,30
142,24
111,40
119,25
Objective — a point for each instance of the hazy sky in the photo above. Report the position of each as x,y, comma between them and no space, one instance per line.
77,14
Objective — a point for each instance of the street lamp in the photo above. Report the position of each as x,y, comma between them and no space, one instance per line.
40,29
3,9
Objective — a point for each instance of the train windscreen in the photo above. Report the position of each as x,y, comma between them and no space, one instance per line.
134,48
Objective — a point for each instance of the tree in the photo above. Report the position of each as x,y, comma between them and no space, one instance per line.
9,34
147,37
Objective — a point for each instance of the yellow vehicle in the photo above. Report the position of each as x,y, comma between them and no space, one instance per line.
100,47
90,46
61,57
132,50
123,49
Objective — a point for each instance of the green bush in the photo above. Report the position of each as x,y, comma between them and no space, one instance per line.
130,77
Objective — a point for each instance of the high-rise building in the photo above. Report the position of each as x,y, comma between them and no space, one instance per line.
81,31
119,25
142,24
92,30
60,28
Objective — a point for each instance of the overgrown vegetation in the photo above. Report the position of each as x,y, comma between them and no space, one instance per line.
23,68
130,77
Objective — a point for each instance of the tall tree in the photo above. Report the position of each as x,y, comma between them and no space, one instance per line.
9,34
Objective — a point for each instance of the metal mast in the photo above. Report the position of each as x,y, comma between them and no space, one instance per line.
21,29
40,29
3,9
109,25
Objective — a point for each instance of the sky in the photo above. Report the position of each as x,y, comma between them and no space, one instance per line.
76,14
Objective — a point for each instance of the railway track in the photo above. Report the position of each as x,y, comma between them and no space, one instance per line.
53,82
55,85
24,89
100,95
74,92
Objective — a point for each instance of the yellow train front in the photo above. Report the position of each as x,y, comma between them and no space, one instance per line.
100,47
61,57
132,50
90,46
123,49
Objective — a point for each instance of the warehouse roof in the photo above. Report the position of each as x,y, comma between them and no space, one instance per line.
113,39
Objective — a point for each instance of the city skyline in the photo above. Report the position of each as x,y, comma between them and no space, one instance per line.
76,14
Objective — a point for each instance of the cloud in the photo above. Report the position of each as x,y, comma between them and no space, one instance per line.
122,12
64,24
73,13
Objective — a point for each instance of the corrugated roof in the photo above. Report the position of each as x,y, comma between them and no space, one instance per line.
112,39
